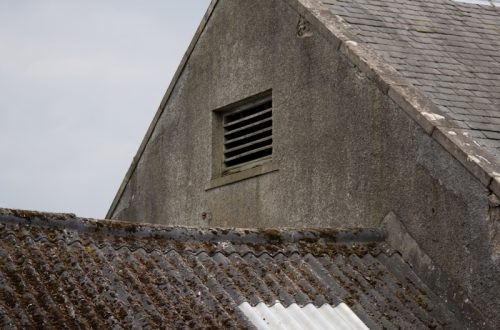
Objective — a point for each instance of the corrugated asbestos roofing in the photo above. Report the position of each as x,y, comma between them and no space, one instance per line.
60,271
448,49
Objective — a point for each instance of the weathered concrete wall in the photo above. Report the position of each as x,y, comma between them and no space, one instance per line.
347,155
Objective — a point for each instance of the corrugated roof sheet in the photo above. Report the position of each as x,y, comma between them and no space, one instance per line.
293,317
481,2
448,49
57,270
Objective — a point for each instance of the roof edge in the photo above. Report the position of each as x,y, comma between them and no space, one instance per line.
476,159
64,221
161,108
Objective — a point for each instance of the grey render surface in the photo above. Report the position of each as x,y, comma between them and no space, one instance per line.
348,148
60,271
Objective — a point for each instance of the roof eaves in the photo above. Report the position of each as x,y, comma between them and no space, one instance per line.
161,108
481,163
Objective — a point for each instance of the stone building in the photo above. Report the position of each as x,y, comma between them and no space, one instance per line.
337,114
347,155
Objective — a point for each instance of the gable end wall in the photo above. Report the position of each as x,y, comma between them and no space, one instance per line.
347,155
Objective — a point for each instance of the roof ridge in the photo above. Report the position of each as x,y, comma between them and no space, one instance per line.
476,159
120,229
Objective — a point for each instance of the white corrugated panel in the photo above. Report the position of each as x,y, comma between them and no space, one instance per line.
482,2
308,317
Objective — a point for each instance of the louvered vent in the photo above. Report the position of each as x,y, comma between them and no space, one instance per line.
248,134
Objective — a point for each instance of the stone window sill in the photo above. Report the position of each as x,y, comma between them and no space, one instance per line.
243,174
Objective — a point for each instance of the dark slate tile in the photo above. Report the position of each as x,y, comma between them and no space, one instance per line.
461,41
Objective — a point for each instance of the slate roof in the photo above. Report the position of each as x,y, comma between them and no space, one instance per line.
59,270
449,49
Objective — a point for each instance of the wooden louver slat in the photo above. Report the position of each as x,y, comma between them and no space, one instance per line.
248,134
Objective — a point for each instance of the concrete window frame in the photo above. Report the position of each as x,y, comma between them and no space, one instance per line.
220,175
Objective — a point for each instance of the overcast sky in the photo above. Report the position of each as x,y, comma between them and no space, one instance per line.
80,82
